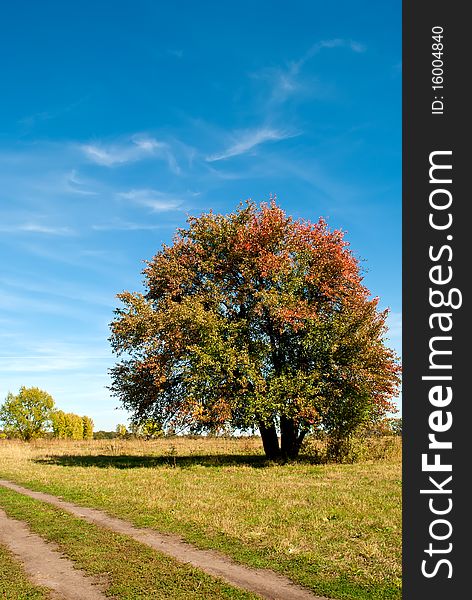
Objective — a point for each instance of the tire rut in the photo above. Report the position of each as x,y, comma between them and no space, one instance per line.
45,565
267,584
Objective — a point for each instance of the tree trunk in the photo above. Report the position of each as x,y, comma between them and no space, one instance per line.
270,441
291,438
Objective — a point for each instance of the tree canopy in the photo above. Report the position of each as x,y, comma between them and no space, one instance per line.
28,414
32,414
254,319
71,426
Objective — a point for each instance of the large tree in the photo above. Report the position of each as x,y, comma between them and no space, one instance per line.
254,319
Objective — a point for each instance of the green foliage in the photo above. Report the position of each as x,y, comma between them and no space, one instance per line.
87,425
151,429
121,431
319,449
255,320
75,427
28,414
58,423
387,426
396,425
104,435
67,425
148,429
71,426
31,413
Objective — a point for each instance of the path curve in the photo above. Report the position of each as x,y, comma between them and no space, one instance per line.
45,565
266,583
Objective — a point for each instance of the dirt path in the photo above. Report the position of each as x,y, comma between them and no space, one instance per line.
267,584
44,565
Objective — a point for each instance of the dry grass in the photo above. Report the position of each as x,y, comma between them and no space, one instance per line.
100,553
333,528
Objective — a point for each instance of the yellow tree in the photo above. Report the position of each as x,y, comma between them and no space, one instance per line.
28,414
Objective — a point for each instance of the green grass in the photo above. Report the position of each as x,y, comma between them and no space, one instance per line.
14,582
333,528
128,569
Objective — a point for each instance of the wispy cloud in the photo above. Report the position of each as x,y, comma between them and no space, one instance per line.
12,303
155,200
287,81
76,184
47,289
246,140
176,53
29,121
55,356
119,225
135,149
46,364
36,228
340,43
83,260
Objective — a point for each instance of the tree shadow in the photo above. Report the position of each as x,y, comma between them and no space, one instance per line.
124,461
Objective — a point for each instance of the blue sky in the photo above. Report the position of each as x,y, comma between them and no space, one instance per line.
120,119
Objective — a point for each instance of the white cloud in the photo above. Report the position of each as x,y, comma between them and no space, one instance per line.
148,144
356,47
137,148
119,225
102,156
36,288
37,364
155,200
287,81
30,121
177,53
112,155
36,228
75,184
335,43
54,355
246,140
37,307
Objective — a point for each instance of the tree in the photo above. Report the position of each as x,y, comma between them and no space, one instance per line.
254,319
59,424
71,426
105,435
87,427
396,426
121,431
74,427
148,429
151,429
28,414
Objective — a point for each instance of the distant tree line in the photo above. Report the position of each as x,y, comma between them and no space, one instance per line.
71,426
388,426
32,414
148,430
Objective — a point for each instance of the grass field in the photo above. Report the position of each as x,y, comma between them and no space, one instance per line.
98,552
335,529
